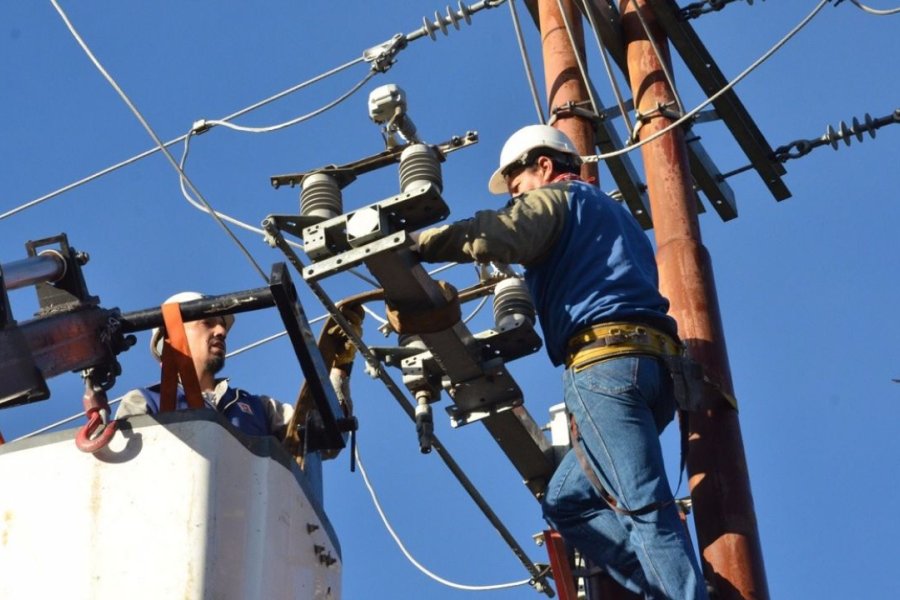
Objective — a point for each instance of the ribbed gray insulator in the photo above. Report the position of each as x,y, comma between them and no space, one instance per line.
321,197
420,164
512,301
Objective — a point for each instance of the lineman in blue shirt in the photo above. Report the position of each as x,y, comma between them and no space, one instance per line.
593,277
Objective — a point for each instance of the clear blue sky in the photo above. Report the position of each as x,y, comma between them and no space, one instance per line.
808,287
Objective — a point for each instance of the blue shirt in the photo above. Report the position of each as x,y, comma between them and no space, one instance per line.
601,268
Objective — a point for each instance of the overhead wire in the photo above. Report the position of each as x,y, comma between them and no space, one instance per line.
690,115
529,73
47,428
659,57
476,310
411,558
617,91
177,140
186,180
376,369
380,64
299,119
237,222
153,135
374,315
595,104
207,209
875,11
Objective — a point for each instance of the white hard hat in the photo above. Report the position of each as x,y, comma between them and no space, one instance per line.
156,337
520,143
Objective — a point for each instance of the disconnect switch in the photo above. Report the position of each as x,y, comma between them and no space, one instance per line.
366,225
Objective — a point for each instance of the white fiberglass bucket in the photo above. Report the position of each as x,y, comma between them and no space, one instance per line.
177,506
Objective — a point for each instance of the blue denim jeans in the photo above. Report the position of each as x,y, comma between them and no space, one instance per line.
621,405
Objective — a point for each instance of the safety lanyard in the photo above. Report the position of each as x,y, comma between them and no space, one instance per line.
177,363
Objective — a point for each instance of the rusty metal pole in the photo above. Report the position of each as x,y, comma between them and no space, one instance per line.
565,87
719,481
563,80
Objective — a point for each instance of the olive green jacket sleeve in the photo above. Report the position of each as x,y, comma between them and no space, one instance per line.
521,233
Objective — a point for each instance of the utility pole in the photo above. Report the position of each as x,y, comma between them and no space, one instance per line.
565,88
719,481
564,84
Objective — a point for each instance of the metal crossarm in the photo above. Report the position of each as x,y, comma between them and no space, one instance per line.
728,106
470,367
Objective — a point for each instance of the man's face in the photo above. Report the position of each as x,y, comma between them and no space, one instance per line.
529,178
206,339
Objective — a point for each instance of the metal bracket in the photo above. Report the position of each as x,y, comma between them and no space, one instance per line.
632,189
346,174
70,291
491,392
728,106
352,258
333,433
384,55
411,210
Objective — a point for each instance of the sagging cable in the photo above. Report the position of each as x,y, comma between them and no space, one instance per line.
872,11
155,149
155,138
409,556
690,115
296,120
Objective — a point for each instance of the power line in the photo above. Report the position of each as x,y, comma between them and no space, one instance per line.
381,57
411,559
155,138
299,119
689,116
529,74
177,140
872,11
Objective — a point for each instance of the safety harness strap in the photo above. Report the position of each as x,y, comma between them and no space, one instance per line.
595,481
177,363
694,389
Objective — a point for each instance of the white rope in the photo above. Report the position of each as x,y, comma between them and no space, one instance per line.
153,135
714,97
410,558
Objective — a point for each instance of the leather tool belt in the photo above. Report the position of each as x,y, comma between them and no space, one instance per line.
607,340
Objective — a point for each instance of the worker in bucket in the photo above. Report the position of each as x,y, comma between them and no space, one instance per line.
593,277
250,413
